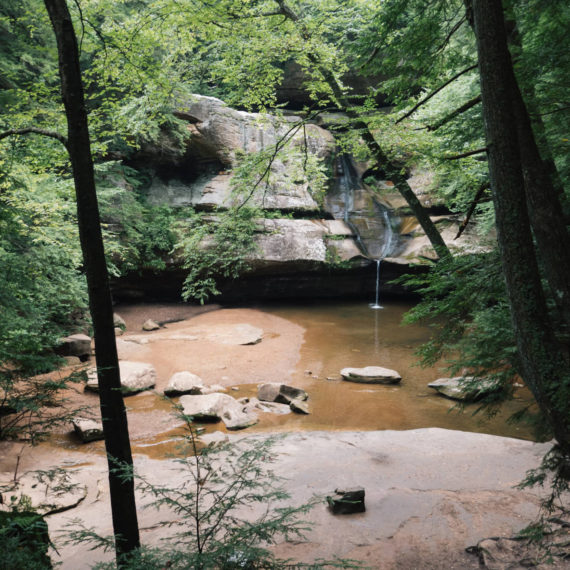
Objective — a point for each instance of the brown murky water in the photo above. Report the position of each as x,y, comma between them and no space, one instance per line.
352,334
307,349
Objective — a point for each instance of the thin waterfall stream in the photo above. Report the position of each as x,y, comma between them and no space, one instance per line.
376,304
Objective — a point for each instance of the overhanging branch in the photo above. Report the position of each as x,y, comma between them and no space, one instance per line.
36,131
466,154
428,97
460,110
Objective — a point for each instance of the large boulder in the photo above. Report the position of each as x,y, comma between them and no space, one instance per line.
215,407
280,393
135,377
75,345
463,388
119,322
371,375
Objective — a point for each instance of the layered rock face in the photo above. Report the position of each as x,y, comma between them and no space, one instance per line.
326,247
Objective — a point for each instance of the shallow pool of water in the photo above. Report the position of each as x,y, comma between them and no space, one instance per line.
339,335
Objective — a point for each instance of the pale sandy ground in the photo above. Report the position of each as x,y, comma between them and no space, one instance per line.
430,493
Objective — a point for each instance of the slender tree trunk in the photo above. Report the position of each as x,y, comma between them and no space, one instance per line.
113,411
543,366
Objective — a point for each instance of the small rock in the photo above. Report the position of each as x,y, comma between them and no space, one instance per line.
463,388
135,377
299,407
119,322
119,331
72,360
347,501
308,372
280,393
371,375
150,325
235,388
88,430
184,383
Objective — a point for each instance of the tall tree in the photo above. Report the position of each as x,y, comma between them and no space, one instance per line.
113,411
544,362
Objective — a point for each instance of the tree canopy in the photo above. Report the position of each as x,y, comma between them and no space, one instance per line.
475,91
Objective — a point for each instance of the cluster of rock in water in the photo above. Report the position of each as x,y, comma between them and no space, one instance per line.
212,403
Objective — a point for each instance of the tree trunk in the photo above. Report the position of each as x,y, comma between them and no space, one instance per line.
543,366
545,209
113,412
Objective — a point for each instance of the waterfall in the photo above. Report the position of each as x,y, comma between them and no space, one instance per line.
368,218
376,305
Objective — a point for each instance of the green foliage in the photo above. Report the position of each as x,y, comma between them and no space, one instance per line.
554,470
138,236
464,299
216,248
24,541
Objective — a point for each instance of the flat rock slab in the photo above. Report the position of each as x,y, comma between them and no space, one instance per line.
235,334
430,493
135,377
55,492
241,333
371,375
462,388
215,407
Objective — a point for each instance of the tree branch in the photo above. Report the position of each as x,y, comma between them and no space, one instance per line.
465,154
451,32
454,114
36,131
426,99
472,207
